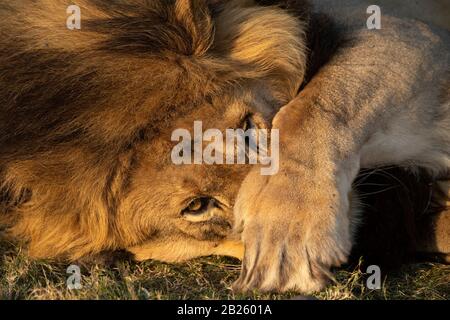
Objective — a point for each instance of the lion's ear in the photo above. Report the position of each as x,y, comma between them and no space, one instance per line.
270,40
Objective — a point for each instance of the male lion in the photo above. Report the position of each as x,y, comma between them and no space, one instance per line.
87,115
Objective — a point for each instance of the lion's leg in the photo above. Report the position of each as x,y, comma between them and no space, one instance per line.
296,224
434,232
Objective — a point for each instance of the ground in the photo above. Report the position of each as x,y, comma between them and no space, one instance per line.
207,278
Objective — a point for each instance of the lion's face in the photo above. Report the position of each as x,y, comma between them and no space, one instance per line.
184,211
87,119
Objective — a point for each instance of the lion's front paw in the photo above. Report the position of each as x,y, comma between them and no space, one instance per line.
287,258
291,241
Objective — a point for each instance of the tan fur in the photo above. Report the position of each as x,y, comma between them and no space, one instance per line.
86,119
376,103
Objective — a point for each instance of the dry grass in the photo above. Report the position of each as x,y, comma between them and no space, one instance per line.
207,278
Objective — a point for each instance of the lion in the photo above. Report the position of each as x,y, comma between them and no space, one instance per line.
87,116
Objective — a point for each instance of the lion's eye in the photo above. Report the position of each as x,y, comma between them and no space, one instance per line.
195,205
198,206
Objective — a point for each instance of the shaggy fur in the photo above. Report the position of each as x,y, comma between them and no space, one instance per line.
86,116
76,105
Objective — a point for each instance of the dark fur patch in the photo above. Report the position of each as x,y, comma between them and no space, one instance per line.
398,207
324,39
153,28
